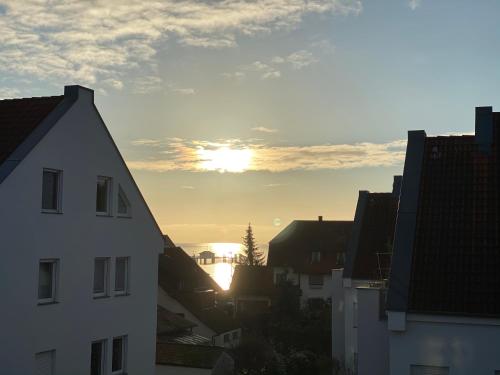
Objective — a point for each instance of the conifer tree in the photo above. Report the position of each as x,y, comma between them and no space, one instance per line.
253,257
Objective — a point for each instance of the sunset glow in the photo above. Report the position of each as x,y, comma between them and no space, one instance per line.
225,159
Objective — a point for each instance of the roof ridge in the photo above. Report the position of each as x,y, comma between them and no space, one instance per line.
31,98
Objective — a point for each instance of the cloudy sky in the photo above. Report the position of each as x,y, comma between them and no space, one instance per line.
261,111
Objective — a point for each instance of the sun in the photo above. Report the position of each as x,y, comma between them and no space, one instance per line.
225,159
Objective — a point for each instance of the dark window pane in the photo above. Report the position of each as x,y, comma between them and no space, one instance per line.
96,359
120,274
117,361
45,280
123,203
50,189
99,275
102,195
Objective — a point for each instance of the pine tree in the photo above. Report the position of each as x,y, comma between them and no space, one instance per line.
253,257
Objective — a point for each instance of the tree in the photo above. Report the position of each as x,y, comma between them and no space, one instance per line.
253,257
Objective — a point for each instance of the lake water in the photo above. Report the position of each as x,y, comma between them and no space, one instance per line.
222,273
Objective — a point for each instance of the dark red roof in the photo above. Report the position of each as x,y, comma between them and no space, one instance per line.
19,117
294,245
371,257
456,255
252,281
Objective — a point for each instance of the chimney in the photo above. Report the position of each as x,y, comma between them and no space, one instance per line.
77,92
396,186
320,218
484,128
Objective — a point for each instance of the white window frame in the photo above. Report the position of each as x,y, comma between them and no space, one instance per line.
55,277
314,258
316,285
52,359
126,290
109,199
127,203
104,343
123,370
58,209
105,293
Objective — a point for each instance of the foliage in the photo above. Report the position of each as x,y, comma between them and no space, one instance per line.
253,257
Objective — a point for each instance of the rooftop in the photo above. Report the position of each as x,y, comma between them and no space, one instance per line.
293,246
252,280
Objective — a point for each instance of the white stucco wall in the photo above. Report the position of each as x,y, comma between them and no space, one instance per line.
179,370
468,346
169,303
373,336
324,292
338,323
79,146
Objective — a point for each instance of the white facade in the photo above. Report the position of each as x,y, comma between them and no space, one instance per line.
360,340
79,146
225,339
308,290
444,344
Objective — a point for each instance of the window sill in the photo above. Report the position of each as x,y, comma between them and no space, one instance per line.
100,297
124,216
51,212
122,294
103,214
41,303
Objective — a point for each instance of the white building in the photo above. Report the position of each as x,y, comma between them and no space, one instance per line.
443,299
79,245
359,326
305,252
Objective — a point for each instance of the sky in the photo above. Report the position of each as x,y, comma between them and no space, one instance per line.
264,111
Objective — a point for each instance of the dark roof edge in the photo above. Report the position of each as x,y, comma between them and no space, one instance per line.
14,159
356,232
399,280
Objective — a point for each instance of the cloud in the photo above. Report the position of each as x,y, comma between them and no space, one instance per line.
301,59
8,93
263,129
187,187
100,42
195,155
414,4
185,91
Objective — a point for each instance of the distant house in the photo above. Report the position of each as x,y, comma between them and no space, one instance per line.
184,288
182,359
305,252
80,247
206,256
359,325
444,289
252,289
173,328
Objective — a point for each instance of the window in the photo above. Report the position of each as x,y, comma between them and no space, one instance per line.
354,315
97,358
123,204
429,370
119,353
51,190
316,281
226,338
121,275
47,280
235,335
103,201
315,256
44,362
101,277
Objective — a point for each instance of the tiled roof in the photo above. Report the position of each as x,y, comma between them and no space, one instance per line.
186,338
177,271
294,245
169,323
19,117
454,259
197,356
252,280
369,257
181,277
